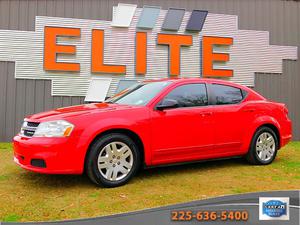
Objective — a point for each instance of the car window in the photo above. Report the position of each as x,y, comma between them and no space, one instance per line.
224,94
139,94
189,95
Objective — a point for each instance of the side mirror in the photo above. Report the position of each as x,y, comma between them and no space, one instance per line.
167,104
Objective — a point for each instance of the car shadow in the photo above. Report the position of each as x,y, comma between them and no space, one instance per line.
54,180
193,166
68,181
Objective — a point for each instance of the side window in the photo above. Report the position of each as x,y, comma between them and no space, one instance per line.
224,94
189,95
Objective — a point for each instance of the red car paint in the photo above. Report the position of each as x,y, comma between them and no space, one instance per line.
169,136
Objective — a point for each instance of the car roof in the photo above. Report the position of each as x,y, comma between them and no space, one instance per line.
249,90
206,80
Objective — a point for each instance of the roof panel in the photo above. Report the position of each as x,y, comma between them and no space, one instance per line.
148,17
123,84
196,20
98,89
123,15
173,19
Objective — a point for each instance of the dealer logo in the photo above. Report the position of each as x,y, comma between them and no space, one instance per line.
274,209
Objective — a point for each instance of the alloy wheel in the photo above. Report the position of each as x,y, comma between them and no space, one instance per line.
115,161
265,146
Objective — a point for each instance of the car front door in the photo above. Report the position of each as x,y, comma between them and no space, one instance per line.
185,132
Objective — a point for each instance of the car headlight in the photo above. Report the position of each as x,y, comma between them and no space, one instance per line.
58,128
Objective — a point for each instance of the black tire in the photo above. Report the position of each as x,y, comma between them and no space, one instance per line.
91,165
253,156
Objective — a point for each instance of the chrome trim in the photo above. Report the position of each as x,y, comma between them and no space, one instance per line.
25,127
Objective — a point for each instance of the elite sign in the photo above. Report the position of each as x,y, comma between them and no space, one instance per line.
140,44
173,41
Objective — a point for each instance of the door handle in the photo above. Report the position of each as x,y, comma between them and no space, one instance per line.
206,114
249,110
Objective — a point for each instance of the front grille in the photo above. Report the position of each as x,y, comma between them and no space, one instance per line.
32,124
29,133
28,128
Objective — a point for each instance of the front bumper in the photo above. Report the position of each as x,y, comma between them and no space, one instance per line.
60,155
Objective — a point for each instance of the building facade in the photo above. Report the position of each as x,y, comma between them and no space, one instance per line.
51,49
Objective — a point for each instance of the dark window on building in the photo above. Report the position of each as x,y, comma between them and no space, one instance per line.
189,95
224,94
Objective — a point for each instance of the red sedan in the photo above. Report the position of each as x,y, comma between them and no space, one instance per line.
153,123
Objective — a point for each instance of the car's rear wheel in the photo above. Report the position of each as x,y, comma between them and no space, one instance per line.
264,146
113,160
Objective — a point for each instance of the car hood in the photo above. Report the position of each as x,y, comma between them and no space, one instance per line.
78,110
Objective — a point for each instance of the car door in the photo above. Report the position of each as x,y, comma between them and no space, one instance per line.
228,118
183,133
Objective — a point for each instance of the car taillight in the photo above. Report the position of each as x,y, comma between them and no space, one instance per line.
285,110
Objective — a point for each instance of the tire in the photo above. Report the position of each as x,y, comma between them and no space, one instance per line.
264,147
113,160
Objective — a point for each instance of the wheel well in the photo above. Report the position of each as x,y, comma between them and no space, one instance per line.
275,129
126,132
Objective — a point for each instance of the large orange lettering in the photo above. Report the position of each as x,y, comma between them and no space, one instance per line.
209,56
51,48
141,53
98,65
174,41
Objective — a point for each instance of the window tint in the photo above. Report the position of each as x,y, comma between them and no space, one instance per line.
189,95
245,93
224,94
139,94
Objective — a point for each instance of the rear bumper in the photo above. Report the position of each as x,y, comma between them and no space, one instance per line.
285,140
286,133
60,155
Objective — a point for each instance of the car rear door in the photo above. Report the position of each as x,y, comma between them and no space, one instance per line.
229,118
184,133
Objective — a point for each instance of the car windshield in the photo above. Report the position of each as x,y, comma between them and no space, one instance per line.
139,94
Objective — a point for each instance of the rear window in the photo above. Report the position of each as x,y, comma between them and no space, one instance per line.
224,95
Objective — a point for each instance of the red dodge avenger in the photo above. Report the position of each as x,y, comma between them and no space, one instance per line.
153,123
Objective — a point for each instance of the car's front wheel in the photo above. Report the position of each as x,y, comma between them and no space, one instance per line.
264,146
113,160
